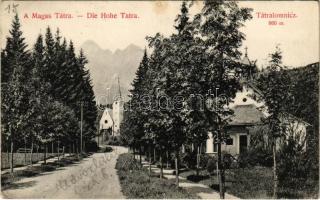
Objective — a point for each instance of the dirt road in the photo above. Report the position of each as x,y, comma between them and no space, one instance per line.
93,177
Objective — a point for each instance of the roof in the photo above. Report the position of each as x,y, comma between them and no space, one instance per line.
246,61
110,112
246,115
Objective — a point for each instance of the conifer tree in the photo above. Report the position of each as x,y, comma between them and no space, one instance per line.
14,90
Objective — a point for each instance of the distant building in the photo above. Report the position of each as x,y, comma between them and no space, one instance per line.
117,116
112,117
106,121
248,114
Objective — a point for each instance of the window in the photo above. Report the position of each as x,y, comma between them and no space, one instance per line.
244,99
229,141
215,147
105,121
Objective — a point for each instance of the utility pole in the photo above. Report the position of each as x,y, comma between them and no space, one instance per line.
81,118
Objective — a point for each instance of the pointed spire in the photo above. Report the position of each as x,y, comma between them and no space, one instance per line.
119,87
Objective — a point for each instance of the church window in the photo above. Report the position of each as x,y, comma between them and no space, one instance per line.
244,99
106,121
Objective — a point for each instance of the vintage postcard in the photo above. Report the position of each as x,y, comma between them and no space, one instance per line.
213,99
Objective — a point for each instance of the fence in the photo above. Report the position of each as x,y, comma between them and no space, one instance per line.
19,159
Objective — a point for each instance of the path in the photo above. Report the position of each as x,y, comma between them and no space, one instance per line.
203,191
93,177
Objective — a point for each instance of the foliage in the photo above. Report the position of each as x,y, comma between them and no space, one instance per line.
126,162
92,146
136,183
42,90
115,140
293,168
211,165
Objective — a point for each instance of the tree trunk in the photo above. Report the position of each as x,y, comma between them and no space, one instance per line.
176,161
167,159
11,156
52,149
134,152
38,152
275,176
220,170
198,161
154,154
58,151
140,154
73,151
62,151
161,165
98,139
25,151
45,153
150,160
8,153
31,153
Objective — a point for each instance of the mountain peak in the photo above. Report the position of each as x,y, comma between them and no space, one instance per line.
90,44
105,66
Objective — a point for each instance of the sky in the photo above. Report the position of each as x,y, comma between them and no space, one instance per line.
298,37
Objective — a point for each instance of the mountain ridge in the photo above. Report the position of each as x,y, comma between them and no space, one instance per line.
105,66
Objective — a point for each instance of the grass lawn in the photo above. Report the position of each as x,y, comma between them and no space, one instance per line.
136,183
8,179
252,183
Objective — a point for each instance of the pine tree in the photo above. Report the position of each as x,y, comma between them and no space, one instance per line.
14,90
49,67
136,109
87,96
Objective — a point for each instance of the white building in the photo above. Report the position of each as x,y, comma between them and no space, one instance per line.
247,114
117,116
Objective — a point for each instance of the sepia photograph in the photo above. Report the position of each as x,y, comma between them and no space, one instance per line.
211,99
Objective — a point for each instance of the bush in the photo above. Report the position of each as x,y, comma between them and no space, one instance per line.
127,162
204,158
227,160
108,149
136,183
255,157
114,140
189,160
292,168
211,165
92,146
